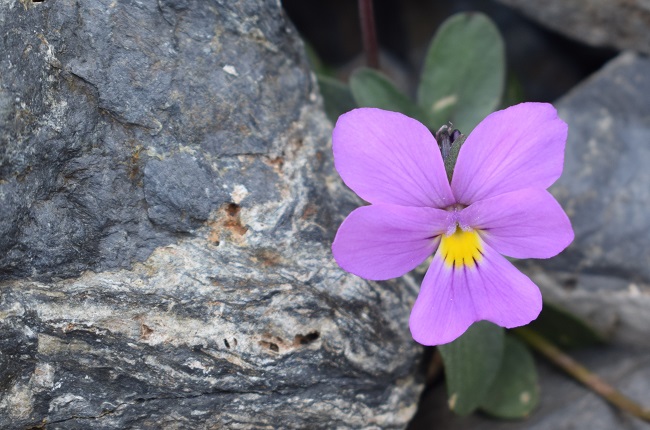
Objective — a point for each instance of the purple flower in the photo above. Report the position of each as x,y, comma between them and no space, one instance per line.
496,204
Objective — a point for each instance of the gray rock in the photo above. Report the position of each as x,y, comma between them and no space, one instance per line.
167,204
606,173
604,189
604,275
622,24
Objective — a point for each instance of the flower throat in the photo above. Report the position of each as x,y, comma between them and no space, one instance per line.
462,248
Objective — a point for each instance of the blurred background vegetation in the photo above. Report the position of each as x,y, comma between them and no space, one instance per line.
541,65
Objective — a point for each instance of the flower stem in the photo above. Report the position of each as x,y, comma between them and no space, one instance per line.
434,367
367,18
581,373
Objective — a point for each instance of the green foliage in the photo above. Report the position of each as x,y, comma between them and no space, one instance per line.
514,392
371,88
471,365
565,329
462,80
464,72
336,97
514,92
450,162
315,62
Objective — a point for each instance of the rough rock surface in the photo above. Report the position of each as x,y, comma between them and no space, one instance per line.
604,189
622,24
167,203
604,275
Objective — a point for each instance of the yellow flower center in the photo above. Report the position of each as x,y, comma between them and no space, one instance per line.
463,248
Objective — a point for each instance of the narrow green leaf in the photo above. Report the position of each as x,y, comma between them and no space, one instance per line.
450,161
336,97
515,391
471,364
464,72
315,62
564,329
371,88
513,93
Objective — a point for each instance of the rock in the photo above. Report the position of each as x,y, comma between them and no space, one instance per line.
167,205
604,275
621,24
604,189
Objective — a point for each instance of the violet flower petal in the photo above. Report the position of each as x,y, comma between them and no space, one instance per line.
527,223
386,241
387,157
519,147
451,299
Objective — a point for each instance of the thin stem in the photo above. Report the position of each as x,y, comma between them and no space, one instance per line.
434,368
370,46
581,373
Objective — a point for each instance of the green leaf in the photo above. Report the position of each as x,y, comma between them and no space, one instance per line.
336,97
564,329
514,392
471,364
371,88
464,72
450,161
315,62
514,92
